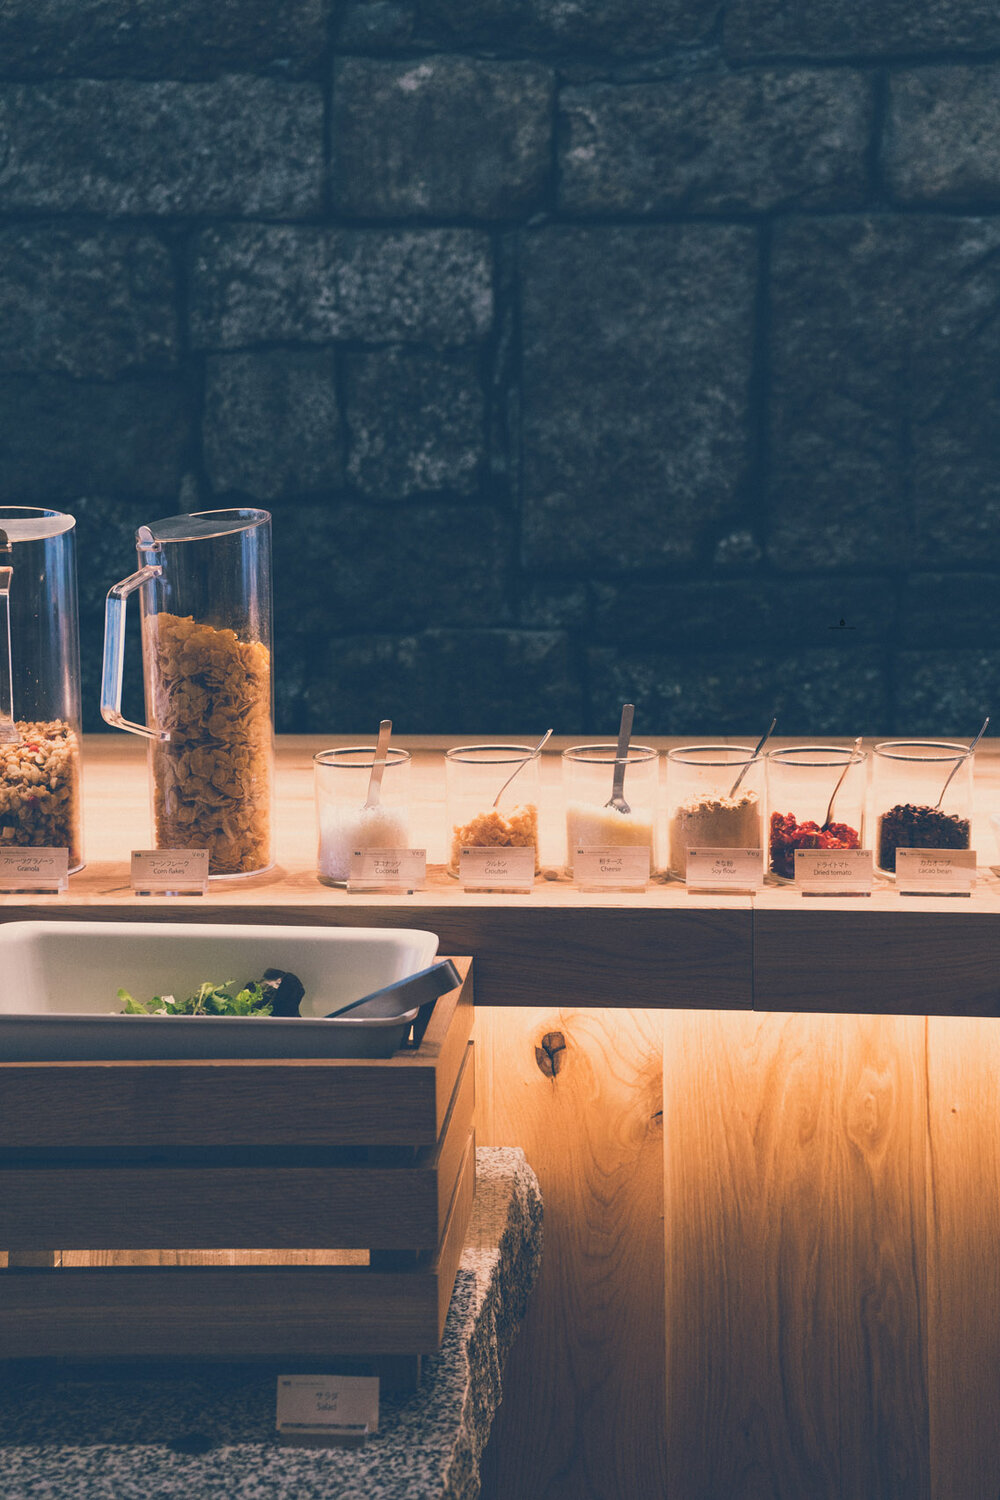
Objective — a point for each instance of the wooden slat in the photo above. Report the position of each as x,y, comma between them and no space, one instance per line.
888,959
796,1279
279,1205
220,1313
400,1100
582,1413
963,1334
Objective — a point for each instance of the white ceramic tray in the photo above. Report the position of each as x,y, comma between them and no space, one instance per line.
59,983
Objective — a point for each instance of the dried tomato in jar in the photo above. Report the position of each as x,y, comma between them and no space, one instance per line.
787,835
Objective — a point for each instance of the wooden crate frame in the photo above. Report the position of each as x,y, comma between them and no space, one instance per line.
312,1154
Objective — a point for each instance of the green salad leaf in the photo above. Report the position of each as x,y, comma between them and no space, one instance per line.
209,999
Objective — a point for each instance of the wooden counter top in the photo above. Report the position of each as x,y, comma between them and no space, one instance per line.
558,946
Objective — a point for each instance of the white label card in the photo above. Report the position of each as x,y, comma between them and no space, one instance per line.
34,870
162,872
833,872
339,1406
725,869
935,872
387,870
612,867
497,869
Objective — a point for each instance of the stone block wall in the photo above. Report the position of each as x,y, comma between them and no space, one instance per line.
581,349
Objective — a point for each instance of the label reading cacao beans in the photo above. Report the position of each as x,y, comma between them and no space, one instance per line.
935,872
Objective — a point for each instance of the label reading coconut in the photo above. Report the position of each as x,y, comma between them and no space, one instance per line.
38,870
169,872
611,867
725,869
497,869
935,872
833,872
388,870
327,1409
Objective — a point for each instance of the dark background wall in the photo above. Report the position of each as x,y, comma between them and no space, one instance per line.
580,350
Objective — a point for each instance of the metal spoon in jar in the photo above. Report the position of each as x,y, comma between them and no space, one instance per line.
755,756
961,761
378,764
521,765
840,779
617,798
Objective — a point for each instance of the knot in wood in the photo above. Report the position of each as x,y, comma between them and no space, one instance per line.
549,1056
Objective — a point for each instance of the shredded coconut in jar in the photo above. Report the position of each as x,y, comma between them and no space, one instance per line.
713,822
344,827
212,778
496,830
40,789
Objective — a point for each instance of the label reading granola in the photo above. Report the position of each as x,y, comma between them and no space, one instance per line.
38,870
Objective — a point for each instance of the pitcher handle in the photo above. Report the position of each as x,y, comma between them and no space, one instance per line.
114,654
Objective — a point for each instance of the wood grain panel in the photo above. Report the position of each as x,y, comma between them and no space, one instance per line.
582,1412
964,1253
795,1276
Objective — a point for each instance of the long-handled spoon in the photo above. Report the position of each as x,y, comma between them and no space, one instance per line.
9,733
378,764
840,779
617,798
755,756
521,765
961,761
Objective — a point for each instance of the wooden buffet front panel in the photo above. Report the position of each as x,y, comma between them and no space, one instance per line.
660,949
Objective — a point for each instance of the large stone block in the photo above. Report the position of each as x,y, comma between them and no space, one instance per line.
859,28
159,38
62,438
884,399
950,609
416,422
238,146
256,283
440,136
375,25
944,693
733,614
710,143
457,682
942,140
342,567
616,28
636,364
85,303
271,425
832,692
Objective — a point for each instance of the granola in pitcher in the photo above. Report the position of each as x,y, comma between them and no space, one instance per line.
212,779
40,789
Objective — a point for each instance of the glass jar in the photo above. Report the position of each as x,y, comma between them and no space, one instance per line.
702,810
588,774
800,783
908,782
39,682
204,585
345,824
474,776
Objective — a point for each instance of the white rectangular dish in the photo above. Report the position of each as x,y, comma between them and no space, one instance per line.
59,983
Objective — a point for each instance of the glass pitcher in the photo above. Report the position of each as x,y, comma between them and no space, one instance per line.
39,682
204,584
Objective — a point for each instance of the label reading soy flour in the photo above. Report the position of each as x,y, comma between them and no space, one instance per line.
725,869
935,872
387,870
497,869
611,867
173,872
833,872
337,1408
40,870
